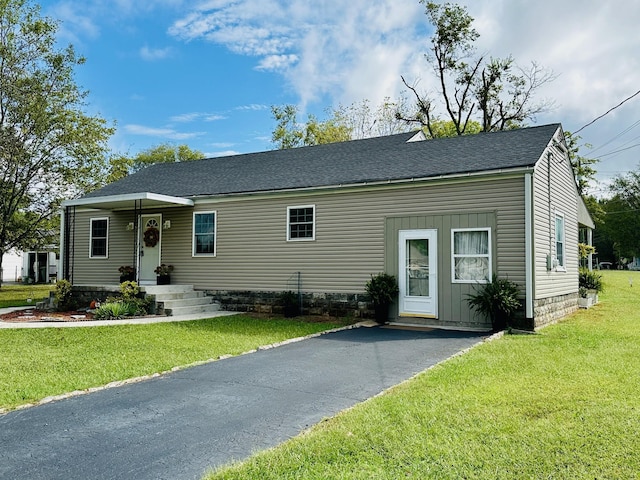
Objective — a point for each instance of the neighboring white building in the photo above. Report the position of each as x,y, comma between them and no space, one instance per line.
12,264
39,267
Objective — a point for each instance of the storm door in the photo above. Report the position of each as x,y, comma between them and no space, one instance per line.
418,273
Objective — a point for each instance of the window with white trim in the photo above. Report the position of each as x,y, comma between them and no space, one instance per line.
204,234
560,243
301,222
99,238
471,255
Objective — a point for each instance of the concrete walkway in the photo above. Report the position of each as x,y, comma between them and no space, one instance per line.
177,425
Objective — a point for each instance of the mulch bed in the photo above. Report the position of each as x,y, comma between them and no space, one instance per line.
42,316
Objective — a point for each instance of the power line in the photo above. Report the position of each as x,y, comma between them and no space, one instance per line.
618,151
625,131
606,113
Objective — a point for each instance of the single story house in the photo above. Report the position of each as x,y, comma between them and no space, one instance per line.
442,215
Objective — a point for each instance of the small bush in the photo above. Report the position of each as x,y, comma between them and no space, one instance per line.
115,310
382,288
63,295
129,290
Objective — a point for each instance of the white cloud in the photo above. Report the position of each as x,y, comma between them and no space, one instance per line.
345,50
74,25
253,106
277,62
152,54
167,133
195,116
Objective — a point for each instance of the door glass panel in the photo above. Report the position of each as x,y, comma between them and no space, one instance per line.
417,267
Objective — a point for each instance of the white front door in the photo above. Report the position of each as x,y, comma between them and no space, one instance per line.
418,275
150,239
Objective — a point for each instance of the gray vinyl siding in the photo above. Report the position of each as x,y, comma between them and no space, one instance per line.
253,253
101,271
561,197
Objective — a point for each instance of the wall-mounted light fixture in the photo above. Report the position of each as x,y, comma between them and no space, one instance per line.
129,226
167,224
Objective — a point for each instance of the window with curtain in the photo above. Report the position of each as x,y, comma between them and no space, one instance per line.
99,238
471,255
204,234
560,241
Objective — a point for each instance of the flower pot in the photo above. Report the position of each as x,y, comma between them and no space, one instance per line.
381,313
290,310
584,302
127,277
163,279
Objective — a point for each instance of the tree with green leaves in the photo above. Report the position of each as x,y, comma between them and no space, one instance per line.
619,222
289,133
582,166
50,148
121,165
492,91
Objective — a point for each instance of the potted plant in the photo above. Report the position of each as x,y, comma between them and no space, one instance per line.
592,281
583,298
163,273
127,273
496,300
290,305
382,289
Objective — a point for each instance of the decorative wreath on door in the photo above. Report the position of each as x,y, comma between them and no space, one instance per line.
151,237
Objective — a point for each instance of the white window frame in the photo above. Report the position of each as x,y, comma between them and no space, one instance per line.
313,224
560,267
488,256
106,238
215,234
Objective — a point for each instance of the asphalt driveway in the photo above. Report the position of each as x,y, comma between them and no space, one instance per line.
178,425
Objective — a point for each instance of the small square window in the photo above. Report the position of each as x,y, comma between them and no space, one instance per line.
471,255
301,222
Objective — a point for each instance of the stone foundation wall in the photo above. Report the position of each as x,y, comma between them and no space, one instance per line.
317,304
84,295
550,310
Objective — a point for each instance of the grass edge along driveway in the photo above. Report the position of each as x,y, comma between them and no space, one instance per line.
564,403
40,363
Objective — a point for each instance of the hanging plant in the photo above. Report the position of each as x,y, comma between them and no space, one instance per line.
151,237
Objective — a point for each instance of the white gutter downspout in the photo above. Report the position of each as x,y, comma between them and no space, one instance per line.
528,244
61,274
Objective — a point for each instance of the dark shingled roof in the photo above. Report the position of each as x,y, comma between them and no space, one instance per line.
389,158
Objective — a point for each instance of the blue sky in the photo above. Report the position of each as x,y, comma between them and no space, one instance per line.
205,73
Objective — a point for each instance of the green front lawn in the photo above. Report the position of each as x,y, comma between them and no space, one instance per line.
561,404
19,295
37,363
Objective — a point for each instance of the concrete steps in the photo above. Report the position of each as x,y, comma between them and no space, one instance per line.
180,299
